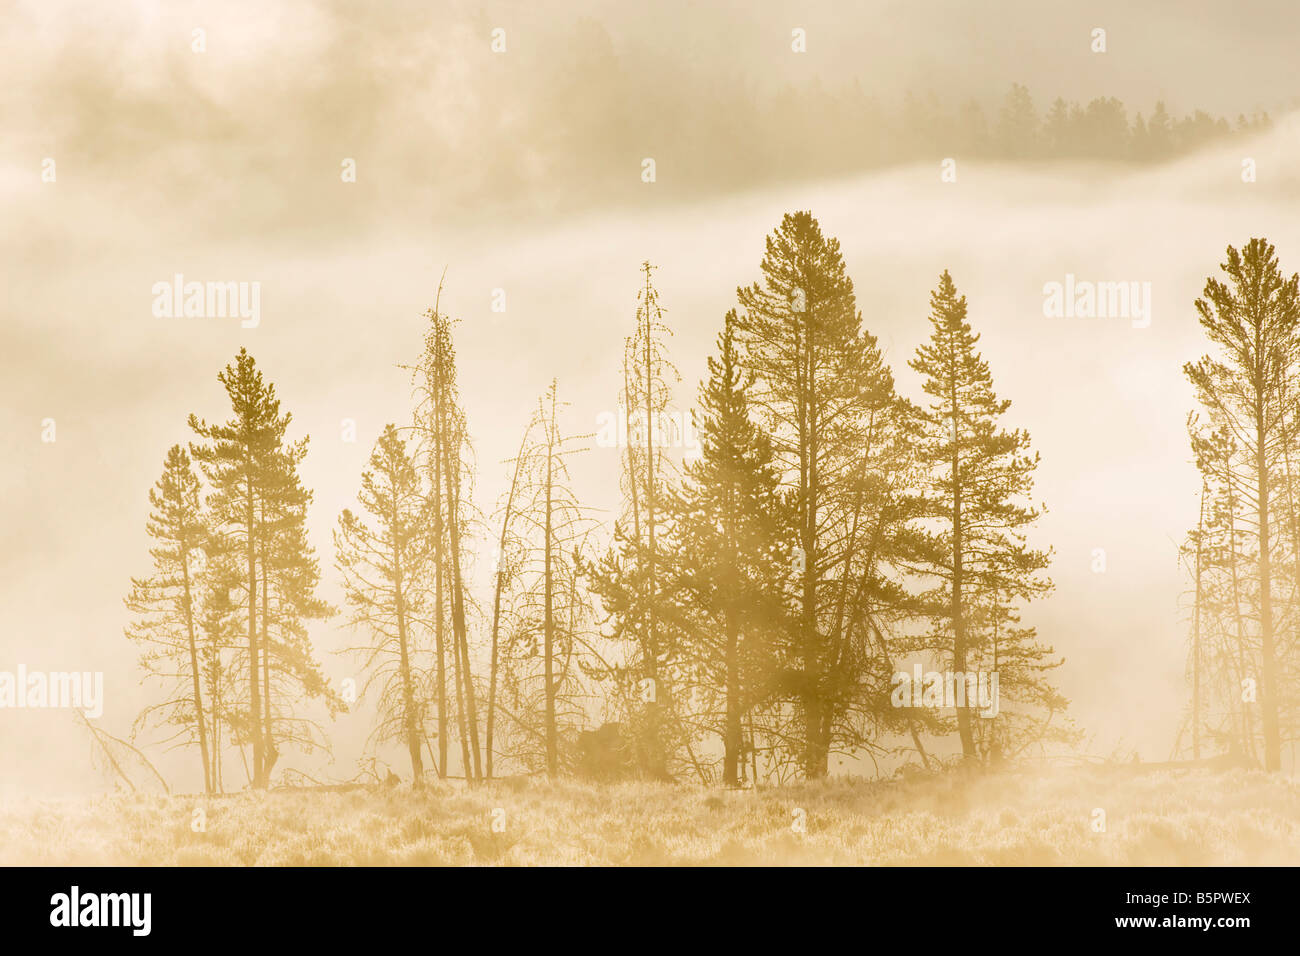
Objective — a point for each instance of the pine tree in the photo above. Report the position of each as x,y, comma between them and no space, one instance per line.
977,477
1018,124
289,579
822,391
168,605
1227,592
1105,129
258,505
1196,548
383,555
442,454
505,572
729,550
236,461
1160,134
548,660
1058,132
630,578
1254,320
1139,139
223,627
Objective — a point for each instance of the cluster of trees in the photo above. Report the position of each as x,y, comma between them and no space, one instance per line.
820,131
1100,129
222,619
829,530
1244,552
744,617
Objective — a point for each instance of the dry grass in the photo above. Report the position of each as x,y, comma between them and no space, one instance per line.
1169,818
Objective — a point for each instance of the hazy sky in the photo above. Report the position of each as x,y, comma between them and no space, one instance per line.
225,165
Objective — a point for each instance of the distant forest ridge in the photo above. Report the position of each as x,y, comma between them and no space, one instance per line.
707,145
1018,128
1100,129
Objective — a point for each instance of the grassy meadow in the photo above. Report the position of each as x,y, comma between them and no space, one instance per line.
1172,817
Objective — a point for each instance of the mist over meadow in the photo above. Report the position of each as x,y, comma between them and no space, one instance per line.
346,271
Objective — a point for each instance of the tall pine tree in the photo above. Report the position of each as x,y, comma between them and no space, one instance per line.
824,394
258,506
1253,319
168,605
977,478
729,550
384,556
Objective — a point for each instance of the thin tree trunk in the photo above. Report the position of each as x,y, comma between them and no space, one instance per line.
1196,635
217,765
269,753
254,694
552,741
1268,694
459,676
409,716
439,625
816,745
1248,725
470,717
194,673
958,611
658,755
732,729
496,602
